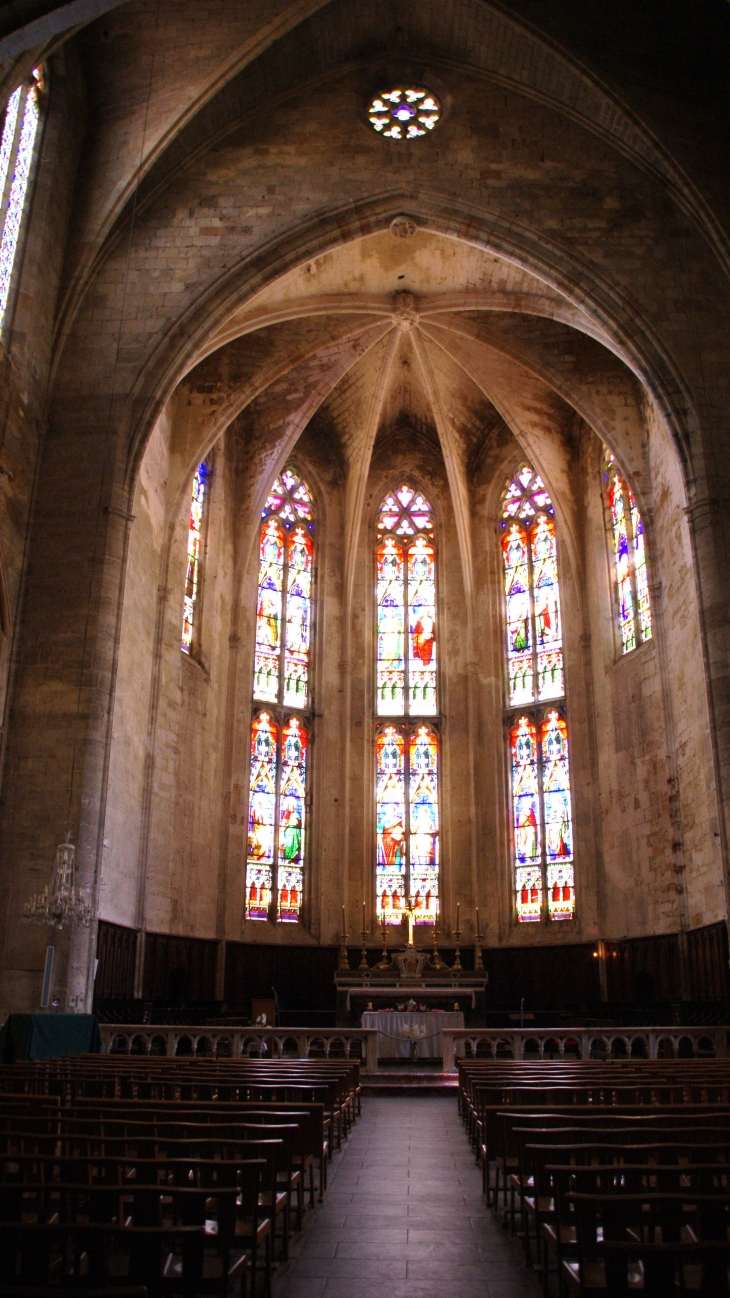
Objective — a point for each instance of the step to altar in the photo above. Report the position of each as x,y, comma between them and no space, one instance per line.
408,1081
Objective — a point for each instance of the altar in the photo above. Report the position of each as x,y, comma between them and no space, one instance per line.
393,1027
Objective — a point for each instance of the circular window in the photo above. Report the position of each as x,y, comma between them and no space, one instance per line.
405,112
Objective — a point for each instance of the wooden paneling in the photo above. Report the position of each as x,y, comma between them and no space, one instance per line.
116,951
179,970
304,977
644,970
549,978
707,953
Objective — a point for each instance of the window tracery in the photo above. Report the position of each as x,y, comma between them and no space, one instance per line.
632,581
538,736
406,751
280,737
404,112
17,150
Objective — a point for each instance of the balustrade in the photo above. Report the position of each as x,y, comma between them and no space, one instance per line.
362,1044
242,1043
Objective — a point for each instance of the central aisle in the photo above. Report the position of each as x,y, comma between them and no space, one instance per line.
404,1215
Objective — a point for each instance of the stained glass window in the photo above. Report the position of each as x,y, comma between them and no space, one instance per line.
17,150
195,541
405,112
632,581
407,755
530,561
282,680
406,594
292,793
262,815
538,739
283,615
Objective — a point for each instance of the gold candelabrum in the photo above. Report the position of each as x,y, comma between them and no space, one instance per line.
436,961
386,962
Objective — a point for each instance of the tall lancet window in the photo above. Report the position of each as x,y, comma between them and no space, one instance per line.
280,732
407,745
537,724
191,599
627,535
17,155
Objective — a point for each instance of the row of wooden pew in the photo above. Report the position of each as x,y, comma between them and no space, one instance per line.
615,1176
169,1177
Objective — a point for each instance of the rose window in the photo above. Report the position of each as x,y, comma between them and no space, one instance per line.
405,112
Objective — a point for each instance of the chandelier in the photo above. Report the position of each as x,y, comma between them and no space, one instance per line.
61,902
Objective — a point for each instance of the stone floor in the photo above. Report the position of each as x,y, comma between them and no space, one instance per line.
404,1216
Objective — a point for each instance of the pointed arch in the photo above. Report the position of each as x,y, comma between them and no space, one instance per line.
407,751
281,733
537,736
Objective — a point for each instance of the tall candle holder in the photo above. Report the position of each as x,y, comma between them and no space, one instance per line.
436,961
344,964
478,961
457,934
386,962
363,965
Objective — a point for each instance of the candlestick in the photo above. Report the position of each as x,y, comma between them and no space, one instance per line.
457,934
364,966
436,961
344,962
478,961
385,962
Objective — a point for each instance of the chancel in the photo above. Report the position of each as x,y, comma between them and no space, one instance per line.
364,629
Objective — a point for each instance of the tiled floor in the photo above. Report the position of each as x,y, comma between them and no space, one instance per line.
404,1216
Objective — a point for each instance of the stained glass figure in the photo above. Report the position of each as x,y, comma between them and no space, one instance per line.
298,605
421,627
17,149
292,811
391,669
406,594
282,679
526,819
626,620
558,818
530,562
195,540
390,798
519,620
640,573
423,813
262,816
284,610
268,613
632,581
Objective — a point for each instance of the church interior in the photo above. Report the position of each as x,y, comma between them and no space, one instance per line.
364,628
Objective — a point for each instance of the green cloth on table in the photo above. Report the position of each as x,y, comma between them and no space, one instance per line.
48,1036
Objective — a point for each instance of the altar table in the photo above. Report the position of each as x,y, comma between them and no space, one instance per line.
392,1024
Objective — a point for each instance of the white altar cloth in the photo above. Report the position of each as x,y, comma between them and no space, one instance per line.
392,1024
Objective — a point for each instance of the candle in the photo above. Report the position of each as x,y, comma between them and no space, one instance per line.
477,919
458,905
343,921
